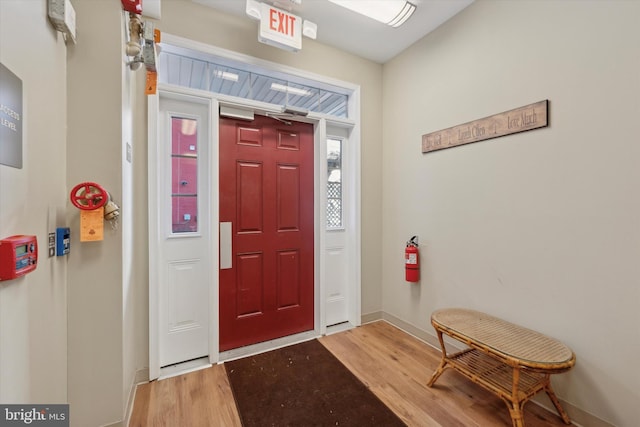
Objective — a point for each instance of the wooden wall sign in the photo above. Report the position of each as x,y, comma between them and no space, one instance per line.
532,116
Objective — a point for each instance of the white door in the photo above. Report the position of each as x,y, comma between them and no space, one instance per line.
183,230
339,264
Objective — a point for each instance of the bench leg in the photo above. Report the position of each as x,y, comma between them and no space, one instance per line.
556,403
437,373
443,362
514,403
515,410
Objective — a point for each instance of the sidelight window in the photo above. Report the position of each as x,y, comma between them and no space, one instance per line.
334,183
184,175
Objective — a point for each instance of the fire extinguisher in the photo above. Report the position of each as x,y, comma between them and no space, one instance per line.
412,260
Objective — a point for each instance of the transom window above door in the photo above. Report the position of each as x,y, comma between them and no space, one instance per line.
198,70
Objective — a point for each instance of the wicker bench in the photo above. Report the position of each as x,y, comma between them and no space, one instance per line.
511,361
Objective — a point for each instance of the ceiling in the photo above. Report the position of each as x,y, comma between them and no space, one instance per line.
354,33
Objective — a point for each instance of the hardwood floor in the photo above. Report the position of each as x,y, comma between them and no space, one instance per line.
197,399
393,364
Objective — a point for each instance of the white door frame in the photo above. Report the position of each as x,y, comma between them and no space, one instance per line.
352,217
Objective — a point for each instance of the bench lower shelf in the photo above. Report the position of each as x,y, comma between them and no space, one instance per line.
514,385
496,376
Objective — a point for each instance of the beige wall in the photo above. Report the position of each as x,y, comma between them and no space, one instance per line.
33,309
94,153
540,228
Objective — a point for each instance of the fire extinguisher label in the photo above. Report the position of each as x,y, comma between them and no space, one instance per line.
412,258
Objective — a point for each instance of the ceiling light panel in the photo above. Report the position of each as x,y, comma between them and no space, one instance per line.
390,12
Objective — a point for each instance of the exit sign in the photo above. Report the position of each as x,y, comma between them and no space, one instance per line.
279,28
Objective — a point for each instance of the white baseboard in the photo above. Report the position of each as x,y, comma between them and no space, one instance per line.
141,376
371,317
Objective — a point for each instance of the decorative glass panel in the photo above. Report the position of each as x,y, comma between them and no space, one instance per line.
334,183
184,175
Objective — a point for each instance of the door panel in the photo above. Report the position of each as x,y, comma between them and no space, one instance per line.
249,199
183,289
266,191
249,285
288,272
288,197
336,280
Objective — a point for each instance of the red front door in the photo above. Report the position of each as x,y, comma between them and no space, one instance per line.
266,192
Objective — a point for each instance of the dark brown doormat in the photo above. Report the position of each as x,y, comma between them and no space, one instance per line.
303,385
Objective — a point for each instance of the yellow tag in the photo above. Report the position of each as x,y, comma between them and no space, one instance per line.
92,225
156,35
152,83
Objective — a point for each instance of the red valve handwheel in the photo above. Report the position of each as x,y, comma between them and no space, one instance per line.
88,196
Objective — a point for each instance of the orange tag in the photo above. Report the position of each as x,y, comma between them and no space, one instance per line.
156,35
92,225
152,83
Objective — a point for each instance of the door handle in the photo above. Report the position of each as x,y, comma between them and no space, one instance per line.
226,246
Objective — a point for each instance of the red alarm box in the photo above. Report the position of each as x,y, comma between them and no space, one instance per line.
18,256
133,6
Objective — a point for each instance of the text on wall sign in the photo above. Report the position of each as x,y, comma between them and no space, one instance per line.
532,116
